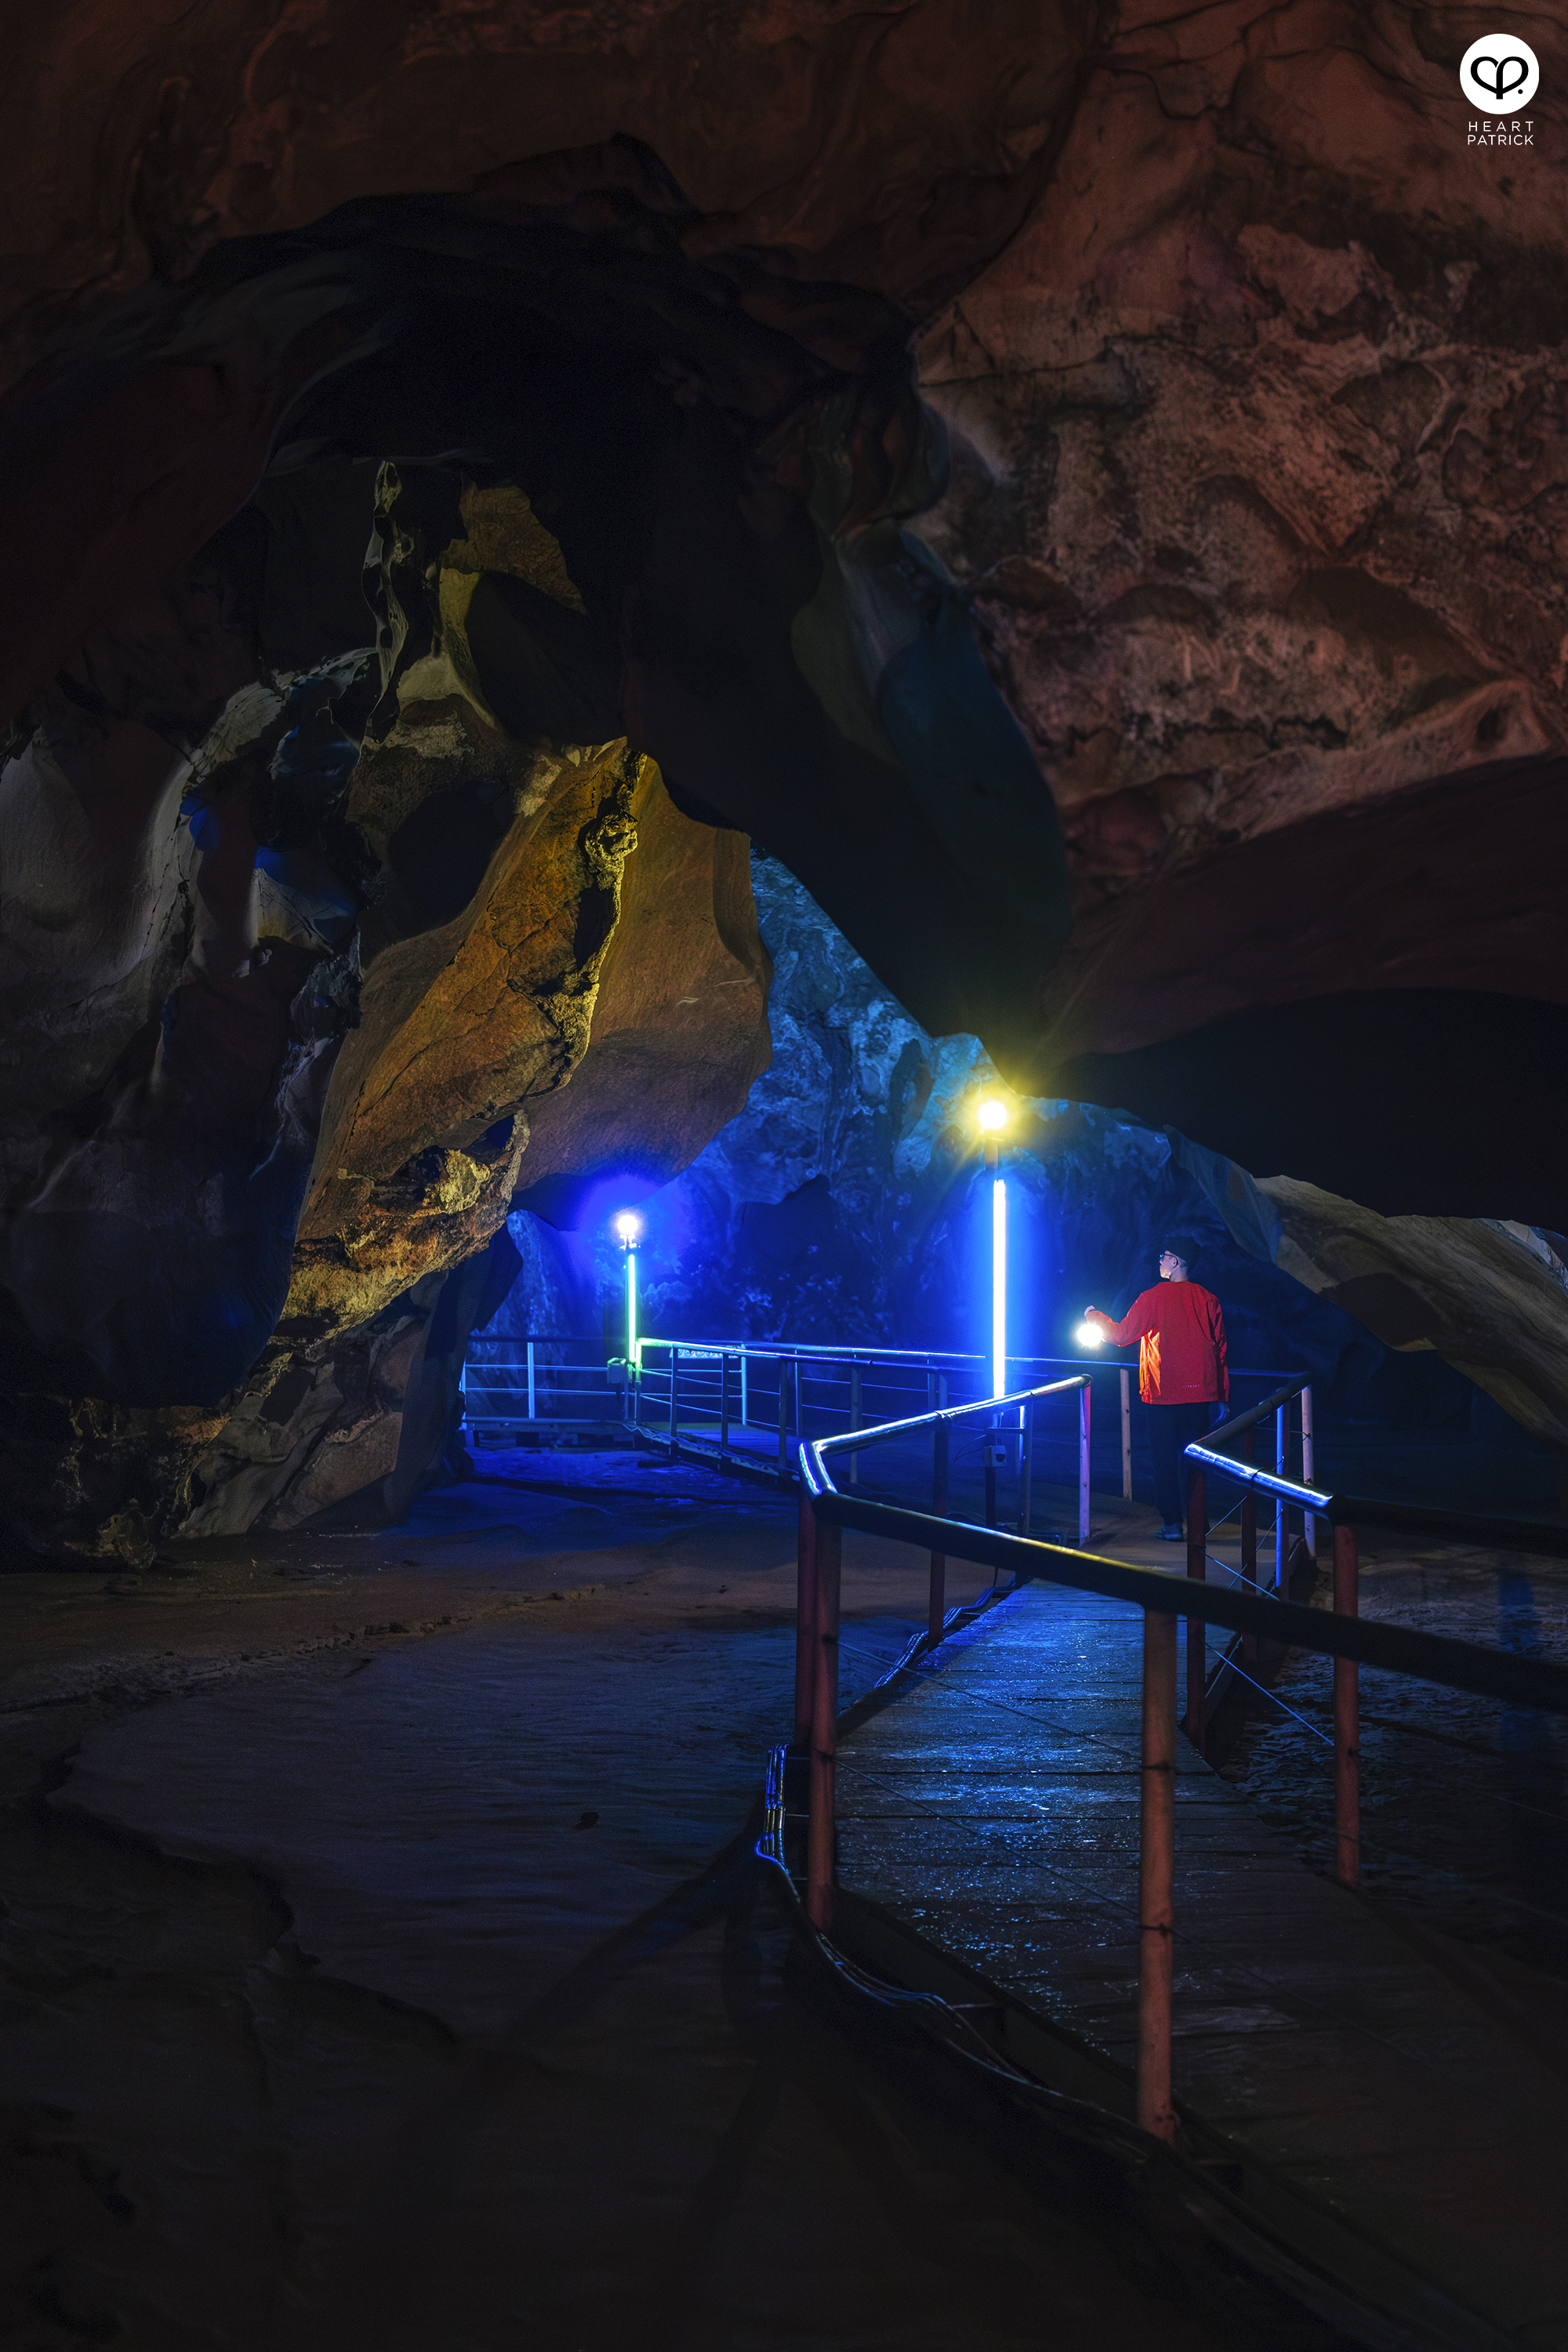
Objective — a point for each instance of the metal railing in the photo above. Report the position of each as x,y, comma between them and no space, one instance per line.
528,1381
1345,1514
1163,1597
707,1398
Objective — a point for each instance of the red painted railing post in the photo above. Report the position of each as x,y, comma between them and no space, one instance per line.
1197,1566
823,1722
1347,1719
1156,1876
805,1619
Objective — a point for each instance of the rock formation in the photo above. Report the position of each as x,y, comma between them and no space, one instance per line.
848,1200
1084,493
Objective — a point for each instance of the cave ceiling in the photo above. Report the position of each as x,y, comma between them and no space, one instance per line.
1086,488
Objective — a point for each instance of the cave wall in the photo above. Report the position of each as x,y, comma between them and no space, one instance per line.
1249,358
847,1203
1083,493
258,1202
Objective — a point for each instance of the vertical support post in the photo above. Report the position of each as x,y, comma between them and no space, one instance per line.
1197,1568
993,1442
824,1729
1084,1395
1281,1513
1156,1877
1126,1435
1248,1544
1309,1470
804,1621
1347,1719
855,1419
723,1402
532,1415
1027,1465
937,1607
783,1417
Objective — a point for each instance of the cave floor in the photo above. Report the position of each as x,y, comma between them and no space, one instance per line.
375,1969
1386,2067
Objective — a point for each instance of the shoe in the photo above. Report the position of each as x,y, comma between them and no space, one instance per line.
1173,1532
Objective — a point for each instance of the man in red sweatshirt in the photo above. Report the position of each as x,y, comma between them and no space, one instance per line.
1182,1375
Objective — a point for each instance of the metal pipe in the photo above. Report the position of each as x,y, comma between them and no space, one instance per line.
854,1420
723,1403
1197,1568
783,1415
674,1386
936,1609
745,1401
1249,1553
1282,1508
1084,1395
805,1619
1126,1435
1310,1520
1347,1719
1026,1463
1519,1680
824,1729
533,1413
1156,1877
993,1447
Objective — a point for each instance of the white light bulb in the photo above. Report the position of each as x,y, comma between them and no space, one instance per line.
1089,1335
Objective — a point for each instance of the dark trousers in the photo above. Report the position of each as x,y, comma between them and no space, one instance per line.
1170,1427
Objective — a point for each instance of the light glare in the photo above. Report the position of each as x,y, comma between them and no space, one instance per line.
628,1226
992,1116
1089,1335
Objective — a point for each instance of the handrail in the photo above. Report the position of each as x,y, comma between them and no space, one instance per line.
854,1440
1340,1633
850,1351
1547,1537
1526,1682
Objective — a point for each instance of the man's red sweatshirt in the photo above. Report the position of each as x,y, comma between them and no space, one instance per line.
1180,1330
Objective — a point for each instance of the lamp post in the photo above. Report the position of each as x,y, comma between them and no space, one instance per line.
628,1232
991,1117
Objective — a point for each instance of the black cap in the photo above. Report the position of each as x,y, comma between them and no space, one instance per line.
1180,1245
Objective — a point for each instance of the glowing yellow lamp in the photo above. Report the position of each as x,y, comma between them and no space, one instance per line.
992,1116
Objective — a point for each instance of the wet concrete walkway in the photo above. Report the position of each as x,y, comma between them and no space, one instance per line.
1381,2116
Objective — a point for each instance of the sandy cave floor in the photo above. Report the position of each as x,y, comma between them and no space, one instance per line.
366,1978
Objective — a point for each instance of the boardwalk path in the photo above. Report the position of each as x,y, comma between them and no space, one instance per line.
1380,2114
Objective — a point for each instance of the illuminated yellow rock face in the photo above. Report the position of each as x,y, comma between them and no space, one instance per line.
425,1126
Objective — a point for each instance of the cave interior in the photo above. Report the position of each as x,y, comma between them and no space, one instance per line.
629,611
